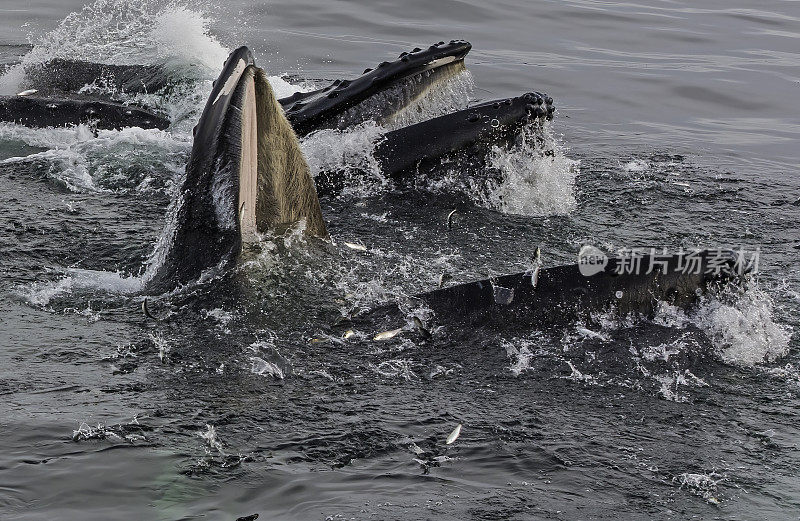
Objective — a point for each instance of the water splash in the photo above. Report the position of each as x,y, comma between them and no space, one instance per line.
743,329
209,436
395,368
40,294
672,383
740,325
161,344
262,367
703,485
129,160
267,360
125,32
535,177
350,155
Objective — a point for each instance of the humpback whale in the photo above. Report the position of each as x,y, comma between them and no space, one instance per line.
379,94
56,95
61,75
60,97
560,295
559,291
246,174
403,152
35,110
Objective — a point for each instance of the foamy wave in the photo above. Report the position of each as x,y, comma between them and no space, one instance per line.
123,160
348,153
42,293
743,329
130,32
740,324
532,182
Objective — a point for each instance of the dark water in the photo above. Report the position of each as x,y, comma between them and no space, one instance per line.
678,127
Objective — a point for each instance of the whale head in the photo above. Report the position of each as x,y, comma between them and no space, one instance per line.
246,174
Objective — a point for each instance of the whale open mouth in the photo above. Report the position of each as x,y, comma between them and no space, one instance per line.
246,174
400,103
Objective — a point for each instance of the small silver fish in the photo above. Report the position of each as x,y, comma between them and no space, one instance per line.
537,266
357,247
27,92
454,435
147,313
386,335
588,333
450,220
444,277
421,327
348,334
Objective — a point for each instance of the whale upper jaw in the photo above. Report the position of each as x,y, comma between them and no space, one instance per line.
417,71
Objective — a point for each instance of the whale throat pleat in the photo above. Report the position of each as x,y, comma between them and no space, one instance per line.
248,162
285,189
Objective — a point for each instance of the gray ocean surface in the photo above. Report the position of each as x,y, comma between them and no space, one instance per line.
677,126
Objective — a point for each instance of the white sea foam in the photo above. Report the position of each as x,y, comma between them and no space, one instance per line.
671,384
41,293
741,325
125,32
637,165
744,330
398,367
703,485
531,183
521,358
83,161
666,350
788,372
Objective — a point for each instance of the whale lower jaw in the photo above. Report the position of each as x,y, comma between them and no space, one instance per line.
566,293
558,296
50,110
